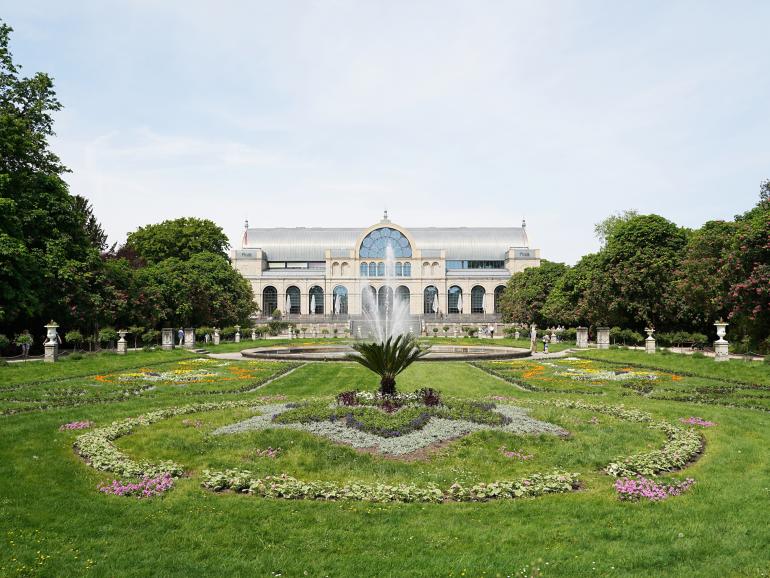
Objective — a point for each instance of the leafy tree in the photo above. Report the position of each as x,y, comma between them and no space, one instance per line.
388,359
74,337
577,296
526,292
637,268
179,238
90,224
605,229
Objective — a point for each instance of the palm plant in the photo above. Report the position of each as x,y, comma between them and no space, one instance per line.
389,358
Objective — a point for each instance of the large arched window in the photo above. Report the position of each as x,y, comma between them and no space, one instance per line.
385,299
364,269
292,300
316,300
372,269
269,300
430,297
340,303
368,298
374,244
455,300
407,269
478,304
402,294
498,297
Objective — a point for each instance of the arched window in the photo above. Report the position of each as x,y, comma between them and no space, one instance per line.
269,300
385,299
430,297
380,269
399,269
374,244
292,294
340,303
368,298
364,269
372,269
407,269
478,304
498,297
455,300
402,295
316,300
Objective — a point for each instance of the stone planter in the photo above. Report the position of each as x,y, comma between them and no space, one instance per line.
51,344
237,333
721,345
216,337
167,338
122,343
649,343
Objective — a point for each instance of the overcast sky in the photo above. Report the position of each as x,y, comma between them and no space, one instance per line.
474,113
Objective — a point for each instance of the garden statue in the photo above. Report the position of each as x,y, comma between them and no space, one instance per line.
533,338
237,333
649,343
122,343
721,345
52,341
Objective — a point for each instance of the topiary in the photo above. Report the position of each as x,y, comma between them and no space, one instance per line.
74,337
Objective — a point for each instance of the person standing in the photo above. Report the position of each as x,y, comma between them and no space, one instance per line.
180,335
546,341
491,331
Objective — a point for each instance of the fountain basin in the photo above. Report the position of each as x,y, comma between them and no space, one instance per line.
338,352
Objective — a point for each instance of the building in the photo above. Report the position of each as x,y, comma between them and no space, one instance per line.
321,274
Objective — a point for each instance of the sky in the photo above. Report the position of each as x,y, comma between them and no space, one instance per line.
476,113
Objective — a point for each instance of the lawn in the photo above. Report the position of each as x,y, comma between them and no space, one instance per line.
54,521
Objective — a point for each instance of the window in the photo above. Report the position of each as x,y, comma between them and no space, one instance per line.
478,299
475,264
385,299
380,269
269,300
372,269
407,269
316,300
498,297
364,269
340,303
455,300
402,295
375,243
399,269
368,299
292,300
430,298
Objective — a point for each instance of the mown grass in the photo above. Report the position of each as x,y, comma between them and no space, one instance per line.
53,522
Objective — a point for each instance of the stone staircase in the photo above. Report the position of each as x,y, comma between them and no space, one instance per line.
201,351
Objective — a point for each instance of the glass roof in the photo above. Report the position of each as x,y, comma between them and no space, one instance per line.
374,244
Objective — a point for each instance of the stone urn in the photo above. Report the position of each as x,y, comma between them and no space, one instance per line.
51,344
237,333
216,336
649,343
122,343
721,345
253,334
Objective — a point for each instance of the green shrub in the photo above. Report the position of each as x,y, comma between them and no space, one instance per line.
74,337
275,327
227,332
4,342
74,356
277,313
767,359
201,332
569,334
107,335
150,337
698,355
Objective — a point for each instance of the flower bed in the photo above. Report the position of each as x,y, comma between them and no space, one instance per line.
76,425
434,430
697,421
287,487
646,489
146,488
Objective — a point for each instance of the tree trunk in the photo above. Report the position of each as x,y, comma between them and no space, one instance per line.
388,386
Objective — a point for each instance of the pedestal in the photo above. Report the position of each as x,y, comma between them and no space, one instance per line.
603,337
721,350
649,345
167,338
189,338
237,336
51,352
216,337
122,344
581,336
253,335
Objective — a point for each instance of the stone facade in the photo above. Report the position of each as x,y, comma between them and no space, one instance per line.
311,266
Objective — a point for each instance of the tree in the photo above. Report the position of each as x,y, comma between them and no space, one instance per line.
605,229
637,266
527,291
90,224
179,238
204,290
388,359
577,296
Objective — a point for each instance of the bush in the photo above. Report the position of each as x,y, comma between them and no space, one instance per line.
201,332
74,337
4,342
108,335
150,337
767,359
569,334
277,313
276,327
227,332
